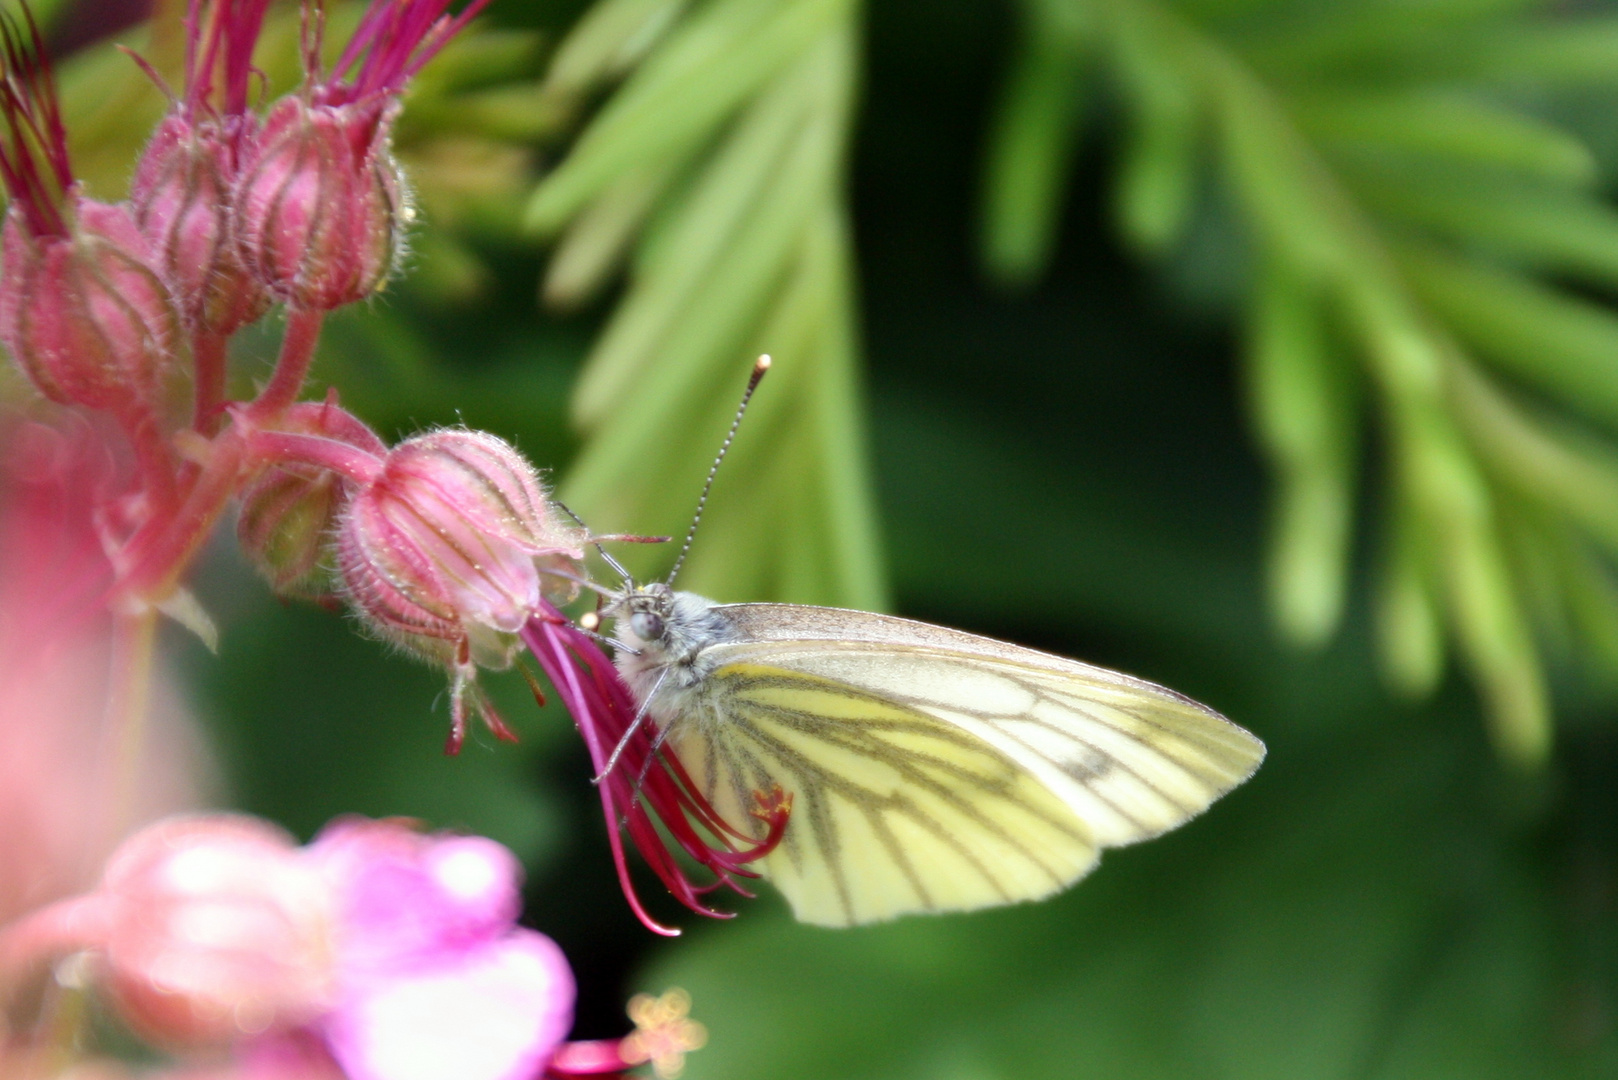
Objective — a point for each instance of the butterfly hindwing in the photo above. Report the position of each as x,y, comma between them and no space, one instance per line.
936,770
894,810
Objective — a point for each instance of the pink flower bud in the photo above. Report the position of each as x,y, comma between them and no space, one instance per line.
319,201
181,197
218,931
86,317
440,551
288,509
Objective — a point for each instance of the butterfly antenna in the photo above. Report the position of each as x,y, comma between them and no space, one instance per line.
759,370
617,566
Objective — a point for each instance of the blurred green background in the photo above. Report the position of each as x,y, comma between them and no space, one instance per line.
1263,348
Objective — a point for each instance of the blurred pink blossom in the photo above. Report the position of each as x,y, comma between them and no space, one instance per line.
375,953
55,646
435,979
215,927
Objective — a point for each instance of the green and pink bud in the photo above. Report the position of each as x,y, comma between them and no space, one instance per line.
181,197
319,203
85,315
290,507
83,312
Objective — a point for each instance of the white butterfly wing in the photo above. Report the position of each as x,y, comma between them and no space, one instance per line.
935,770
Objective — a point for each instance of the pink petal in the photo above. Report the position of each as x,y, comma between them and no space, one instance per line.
496,1013
408,897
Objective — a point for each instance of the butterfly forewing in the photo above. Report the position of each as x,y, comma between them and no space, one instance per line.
937,770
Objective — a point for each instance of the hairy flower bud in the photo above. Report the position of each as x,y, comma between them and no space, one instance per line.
181,196
441,551
288,509
319,201
218,930
86,317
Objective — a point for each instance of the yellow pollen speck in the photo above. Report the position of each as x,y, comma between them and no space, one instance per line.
664,1032
589,620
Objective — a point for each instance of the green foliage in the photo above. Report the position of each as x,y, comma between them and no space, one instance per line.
1381,902
1419,290
716,173
1288,947
1418,222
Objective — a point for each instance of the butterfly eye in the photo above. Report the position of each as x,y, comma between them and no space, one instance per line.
648,625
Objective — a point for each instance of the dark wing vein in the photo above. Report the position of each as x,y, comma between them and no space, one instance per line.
747,720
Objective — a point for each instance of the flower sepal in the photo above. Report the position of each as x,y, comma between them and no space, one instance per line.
87,318
289,507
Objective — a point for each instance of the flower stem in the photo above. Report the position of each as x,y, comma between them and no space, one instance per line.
344,459
128,705
160,552
210,351
154,459
292,367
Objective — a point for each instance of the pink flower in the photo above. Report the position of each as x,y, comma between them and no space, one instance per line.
375,953
216,928
61,487
648,784
435,978
448,545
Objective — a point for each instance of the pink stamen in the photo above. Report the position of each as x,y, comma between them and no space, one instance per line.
33,155
220,36
603,709
394,40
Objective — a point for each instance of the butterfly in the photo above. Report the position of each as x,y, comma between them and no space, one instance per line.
930,769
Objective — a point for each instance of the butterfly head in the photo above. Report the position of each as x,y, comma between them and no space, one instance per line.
643,614
664,632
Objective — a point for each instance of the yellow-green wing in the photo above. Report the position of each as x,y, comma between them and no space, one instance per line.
936,770
893,810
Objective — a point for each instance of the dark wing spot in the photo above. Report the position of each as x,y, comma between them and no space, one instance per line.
1091,765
